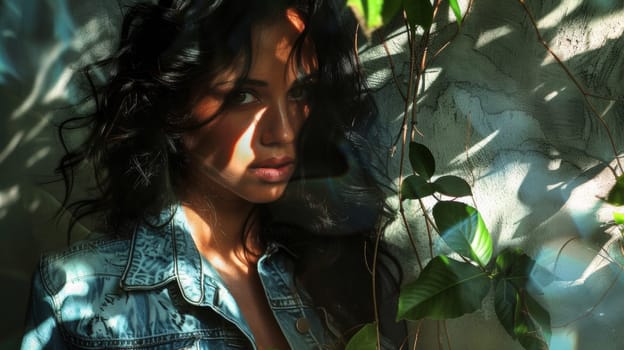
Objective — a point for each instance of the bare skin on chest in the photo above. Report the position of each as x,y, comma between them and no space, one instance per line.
238,271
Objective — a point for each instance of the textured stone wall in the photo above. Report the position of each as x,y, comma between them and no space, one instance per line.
495,108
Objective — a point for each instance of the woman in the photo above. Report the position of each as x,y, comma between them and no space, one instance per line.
227,147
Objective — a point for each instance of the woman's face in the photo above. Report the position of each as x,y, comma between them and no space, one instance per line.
248,151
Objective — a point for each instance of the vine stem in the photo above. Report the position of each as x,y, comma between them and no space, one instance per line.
448,42
575,81
410,86
448,337
417,333
374,282
373,268
393,70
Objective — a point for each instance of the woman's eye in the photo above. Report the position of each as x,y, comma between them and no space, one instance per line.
298,93
241,98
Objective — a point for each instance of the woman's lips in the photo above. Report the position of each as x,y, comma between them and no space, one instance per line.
274,170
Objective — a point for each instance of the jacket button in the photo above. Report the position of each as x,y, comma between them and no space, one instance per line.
302,325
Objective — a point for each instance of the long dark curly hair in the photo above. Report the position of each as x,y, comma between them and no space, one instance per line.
143,109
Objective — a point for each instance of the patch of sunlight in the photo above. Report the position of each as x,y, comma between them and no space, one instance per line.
608,108
228,302
556,16
377,79
550,96
9,196
538,87
59,90
117,322
40,335
563,339
555,164
581,37
34,205
491,35
584,213
612,21
559,184
11,146
39,155
45,66
77,310
396,43
429,78
599,262
77,271
563,265
475,149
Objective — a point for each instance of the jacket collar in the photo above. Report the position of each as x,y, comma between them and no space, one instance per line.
165,252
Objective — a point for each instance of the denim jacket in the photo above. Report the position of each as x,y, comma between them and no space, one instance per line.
156,291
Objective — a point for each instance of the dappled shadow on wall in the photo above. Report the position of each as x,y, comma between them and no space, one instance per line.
42,46
497,109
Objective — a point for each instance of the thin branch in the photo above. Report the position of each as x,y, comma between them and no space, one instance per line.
439,333
454,36
397,83
448,338
410,86
374,282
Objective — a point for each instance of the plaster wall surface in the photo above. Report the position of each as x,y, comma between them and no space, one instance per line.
498,110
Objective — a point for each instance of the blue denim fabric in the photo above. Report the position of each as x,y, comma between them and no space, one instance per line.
157,292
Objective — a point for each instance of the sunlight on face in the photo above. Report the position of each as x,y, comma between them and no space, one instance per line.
248,150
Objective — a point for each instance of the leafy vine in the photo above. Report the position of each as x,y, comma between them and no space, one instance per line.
449,286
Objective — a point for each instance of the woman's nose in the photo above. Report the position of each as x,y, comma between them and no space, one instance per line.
278,126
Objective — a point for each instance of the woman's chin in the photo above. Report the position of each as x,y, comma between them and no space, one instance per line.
267,195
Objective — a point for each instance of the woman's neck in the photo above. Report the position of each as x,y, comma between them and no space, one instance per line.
225,231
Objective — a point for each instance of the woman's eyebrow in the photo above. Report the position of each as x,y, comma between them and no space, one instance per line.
230,84
252,82
306,78
302,79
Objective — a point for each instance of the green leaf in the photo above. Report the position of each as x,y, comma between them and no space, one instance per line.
463,229
456,10
368,12
364,339
522,317
390,9
506,298
517,267
444,289
419,13
421,160
452,186
616,194
415,187
619,218
541,329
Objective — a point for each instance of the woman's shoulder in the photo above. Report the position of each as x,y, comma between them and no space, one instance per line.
94,256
